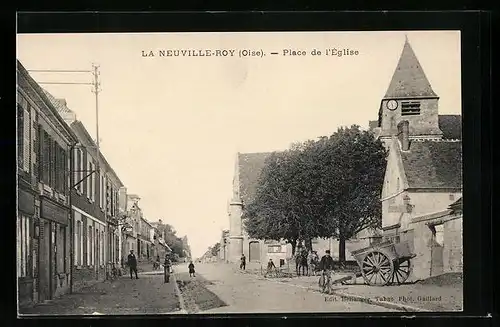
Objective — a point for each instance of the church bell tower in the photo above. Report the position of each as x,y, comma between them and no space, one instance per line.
409,97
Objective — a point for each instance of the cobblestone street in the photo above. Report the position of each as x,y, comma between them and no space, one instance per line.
124,296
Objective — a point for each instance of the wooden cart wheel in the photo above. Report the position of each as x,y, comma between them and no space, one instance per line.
402,270
377,268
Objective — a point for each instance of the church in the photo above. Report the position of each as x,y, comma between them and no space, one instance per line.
423,176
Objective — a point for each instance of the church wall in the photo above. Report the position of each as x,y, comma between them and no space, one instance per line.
430,202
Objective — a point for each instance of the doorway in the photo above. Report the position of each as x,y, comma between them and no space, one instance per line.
254,251
45,260
437,246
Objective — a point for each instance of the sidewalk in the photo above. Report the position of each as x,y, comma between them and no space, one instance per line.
123,296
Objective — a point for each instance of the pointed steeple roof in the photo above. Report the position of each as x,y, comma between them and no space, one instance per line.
409,79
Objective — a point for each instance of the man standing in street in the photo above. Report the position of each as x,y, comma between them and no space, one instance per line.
132,263
243,262
326,266
166,268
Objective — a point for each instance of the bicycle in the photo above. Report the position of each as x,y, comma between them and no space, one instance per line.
325,282
113,273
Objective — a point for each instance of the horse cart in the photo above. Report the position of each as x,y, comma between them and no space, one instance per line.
385,263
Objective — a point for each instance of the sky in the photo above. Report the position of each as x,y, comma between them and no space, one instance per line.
171,126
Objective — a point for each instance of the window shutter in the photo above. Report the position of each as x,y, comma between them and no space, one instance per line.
20,136
76,165
45,158
94,181
34,142
88,180
26,140
64,169
80,173
56,168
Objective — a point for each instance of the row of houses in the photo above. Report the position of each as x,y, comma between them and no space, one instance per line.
75,217
421,195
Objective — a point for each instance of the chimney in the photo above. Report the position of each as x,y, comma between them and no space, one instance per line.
403,135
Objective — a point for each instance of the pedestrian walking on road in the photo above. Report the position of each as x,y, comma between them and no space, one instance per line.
243,262
132,263
167,266
191,269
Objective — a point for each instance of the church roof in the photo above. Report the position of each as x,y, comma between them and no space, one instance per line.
451,126
250,166
409,79
433,164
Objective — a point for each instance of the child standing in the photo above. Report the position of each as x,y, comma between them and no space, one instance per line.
191,269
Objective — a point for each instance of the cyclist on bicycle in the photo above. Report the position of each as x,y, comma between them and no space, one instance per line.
326,265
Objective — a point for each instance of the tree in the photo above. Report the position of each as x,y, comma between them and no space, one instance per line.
280,210
324,188
349,174
215,249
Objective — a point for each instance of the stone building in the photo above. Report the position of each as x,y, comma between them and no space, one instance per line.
44,144
424,166
94,204
144,240
133,216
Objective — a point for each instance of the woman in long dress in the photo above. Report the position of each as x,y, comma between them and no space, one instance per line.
191,269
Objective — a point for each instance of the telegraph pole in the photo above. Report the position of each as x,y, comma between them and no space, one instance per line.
96,90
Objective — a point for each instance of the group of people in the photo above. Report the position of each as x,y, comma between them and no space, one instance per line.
167,265
306,262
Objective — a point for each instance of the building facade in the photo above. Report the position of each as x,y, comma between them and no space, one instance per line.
144,240
94,204
133,216
44,215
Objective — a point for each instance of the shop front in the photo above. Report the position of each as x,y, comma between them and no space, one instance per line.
54,249
26,247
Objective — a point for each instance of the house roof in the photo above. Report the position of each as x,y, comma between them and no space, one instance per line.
433,164
372,124
250,166
456,206
451,126
37,94
409,79
59,104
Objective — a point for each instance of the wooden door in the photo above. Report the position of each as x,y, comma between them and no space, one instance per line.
254,251
44,257
437,250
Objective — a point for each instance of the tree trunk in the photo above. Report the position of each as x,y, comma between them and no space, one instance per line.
341,249
294,245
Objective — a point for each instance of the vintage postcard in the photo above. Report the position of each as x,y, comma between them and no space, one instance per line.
242,172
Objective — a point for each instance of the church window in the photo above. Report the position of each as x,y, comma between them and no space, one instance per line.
409,108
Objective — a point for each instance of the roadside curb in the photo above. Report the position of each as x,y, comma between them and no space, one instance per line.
179,295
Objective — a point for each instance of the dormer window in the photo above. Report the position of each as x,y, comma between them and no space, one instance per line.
410,108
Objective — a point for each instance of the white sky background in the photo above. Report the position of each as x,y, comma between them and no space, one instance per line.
171,126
